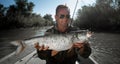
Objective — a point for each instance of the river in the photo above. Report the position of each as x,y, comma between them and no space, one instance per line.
105,46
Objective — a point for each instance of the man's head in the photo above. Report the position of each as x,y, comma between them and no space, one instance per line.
62,16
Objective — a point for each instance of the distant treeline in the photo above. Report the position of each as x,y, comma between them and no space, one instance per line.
19,15
104,15
21,21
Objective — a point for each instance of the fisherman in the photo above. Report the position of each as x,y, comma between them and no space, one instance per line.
69,56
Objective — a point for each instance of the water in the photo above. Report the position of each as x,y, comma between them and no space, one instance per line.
7,36
105,46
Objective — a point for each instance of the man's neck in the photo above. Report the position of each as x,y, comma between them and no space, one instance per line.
62,29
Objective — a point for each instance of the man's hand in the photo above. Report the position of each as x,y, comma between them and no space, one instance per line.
80,46
83,48
36,45
43,48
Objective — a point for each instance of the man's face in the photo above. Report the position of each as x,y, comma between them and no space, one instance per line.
63,17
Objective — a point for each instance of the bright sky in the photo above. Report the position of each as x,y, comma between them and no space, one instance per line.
43,7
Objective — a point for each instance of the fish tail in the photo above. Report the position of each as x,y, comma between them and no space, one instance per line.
21,47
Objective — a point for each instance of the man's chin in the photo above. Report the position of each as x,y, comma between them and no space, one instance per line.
65,25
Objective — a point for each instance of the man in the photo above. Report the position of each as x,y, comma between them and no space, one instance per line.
68,56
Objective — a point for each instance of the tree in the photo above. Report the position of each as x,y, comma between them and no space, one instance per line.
48,19
21,6
24,7
2,10
12,11
30,6
102,16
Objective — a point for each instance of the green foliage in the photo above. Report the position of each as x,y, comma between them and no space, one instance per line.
30,6
2,10
102,16
20,16
22,21
48,19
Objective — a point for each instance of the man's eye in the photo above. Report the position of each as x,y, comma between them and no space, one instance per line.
67,16
62,16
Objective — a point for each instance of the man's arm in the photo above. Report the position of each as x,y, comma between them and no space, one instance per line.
86,50
43,52
83,49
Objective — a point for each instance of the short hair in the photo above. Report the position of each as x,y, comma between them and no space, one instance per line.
62,6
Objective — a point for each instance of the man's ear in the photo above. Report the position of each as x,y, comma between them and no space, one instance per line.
56,20
56,17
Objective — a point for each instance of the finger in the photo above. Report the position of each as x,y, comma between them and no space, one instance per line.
78,45
41,47
36,45
79,42
46,48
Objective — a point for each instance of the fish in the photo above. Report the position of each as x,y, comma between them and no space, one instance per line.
58,42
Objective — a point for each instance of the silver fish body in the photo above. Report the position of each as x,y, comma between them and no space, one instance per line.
58,42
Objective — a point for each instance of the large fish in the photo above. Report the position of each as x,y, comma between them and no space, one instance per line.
56,42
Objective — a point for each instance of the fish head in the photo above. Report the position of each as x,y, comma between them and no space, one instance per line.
82,37
89,34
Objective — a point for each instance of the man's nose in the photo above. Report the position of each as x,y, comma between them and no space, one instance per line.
65,19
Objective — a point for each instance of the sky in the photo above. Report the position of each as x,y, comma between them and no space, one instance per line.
43,7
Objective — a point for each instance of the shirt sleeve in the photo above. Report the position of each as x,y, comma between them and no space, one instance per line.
44,54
